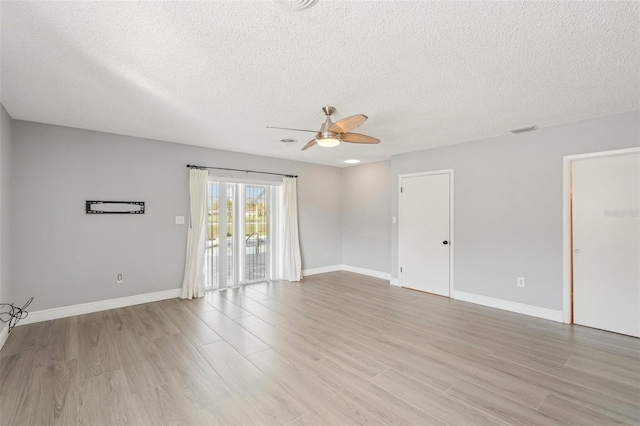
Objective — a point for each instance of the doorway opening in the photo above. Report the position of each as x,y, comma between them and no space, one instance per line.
241,247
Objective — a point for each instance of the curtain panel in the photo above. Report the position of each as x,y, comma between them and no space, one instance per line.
291,262
193,282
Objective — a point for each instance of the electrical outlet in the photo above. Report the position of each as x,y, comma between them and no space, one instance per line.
520,281
179,220
119,278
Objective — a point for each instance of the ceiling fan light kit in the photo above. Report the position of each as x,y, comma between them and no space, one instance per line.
331,134
328,142
325,137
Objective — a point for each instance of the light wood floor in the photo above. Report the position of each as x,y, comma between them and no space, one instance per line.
336,349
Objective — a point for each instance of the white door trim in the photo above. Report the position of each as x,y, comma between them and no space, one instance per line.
566,221
451,216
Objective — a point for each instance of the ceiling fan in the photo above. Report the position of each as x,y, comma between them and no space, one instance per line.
331,134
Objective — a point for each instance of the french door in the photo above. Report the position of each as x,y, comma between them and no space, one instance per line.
239,243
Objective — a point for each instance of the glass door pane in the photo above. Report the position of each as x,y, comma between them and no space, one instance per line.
256,233
230,242
211,267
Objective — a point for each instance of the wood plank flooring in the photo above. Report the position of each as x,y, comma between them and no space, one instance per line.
336,349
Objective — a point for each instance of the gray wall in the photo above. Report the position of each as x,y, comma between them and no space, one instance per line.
508,204
508,209
5,207
65,257
366,216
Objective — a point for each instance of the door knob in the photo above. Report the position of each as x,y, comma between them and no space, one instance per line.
445,242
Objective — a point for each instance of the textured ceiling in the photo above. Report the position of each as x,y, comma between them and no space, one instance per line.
216,73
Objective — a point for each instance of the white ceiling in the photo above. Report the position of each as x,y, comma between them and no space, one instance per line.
216,73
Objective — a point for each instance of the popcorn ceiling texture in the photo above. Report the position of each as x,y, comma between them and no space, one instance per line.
216,73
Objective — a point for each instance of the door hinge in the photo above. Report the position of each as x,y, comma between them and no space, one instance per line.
401,269
401,189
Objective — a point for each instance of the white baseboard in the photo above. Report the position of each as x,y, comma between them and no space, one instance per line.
321,270
4,334
102,305
395,282
364,271
348,268
506,305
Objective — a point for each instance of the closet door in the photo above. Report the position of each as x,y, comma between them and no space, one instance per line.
606,243
425,249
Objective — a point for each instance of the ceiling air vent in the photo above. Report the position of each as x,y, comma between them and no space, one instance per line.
523,130
294,5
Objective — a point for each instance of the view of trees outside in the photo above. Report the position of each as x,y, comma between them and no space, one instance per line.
255,217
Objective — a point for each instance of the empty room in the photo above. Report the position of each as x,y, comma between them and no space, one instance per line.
319,212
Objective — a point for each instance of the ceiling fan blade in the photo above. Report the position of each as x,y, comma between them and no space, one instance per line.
348,124
297,130
358,138
311,143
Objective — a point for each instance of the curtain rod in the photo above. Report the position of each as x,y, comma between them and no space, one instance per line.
191,166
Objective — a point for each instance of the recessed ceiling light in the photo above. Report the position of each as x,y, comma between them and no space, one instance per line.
352,161
294,5
288,140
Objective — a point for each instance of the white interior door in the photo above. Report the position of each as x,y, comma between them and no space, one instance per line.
424,232
606,243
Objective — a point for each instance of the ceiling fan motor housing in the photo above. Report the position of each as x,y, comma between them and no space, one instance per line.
325,137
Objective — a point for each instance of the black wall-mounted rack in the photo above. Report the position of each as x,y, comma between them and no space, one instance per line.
128,207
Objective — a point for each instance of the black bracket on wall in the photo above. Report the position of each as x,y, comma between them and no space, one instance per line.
114,207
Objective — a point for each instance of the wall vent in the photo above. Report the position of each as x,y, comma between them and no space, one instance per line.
524,130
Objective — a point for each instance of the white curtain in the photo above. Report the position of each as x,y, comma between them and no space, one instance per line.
290,260
193,282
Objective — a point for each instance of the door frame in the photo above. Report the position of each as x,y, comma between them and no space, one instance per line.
237,265
567,235
451,216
